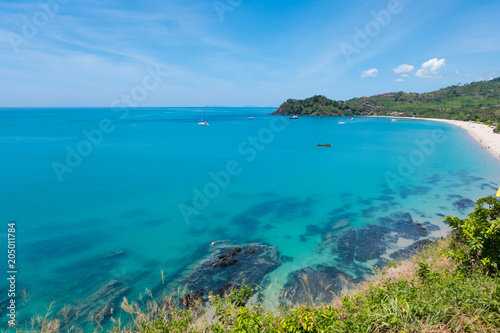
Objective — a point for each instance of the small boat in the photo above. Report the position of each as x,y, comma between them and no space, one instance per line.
250,118
294,117
203,123
341,122
323,144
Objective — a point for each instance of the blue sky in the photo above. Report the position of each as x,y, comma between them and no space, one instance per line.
239,52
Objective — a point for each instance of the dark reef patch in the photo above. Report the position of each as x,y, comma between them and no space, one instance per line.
247,264
359,245
434,179
316,286
461,203
369,212
278,210
419,190
385,198
465,177
100,305
64,245
410,250
340,210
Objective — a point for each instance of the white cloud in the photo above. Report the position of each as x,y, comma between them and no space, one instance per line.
403,69
369,73
430,69
398,80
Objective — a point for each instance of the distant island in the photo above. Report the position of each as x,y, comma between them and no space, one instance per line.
477,101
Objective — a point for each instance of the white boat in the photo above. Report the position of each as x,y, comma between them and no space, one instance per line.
203,123
341,122
250,118
294,117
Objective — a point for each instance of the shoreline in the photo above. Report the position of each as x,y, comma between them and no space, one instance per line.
483,134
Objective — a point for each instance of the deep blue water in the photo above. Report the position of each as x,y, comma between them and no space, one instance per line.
137,188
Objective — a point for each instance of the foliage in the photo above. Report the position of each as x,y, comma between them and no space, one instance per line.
476,239
497,129
477,101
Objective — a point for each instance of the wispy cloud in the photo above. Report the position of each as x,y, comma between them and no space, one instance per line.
369,73
403,69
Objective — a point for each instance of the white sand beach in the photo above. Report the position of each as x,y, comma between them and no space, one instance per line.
482,133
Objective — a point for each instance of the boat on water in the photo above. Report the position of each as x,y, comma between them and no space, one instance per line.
341,122
250,118
294,117
203,123
323,144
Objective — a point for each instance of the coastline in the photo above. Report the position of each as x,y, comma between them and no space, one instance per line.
481,133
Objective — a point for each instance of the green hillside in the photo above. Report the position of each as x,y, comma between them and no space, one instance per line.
475,101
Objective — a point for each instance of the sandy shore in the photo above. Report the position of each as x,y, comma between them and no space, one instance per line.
482,133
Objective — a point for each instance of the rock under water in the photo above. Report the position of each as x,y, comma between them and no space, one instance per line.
97,307
316,286
228,267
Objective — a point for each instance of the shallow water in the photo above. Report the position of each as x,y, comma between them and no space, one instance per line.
126,212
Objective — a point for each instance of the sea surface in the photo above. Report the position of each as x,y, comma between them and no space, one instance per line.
100,194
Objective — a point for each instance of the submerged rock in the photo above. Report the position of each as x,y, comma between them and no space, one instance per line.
347,246
226,289
313,286
463,205
403,224
228,266
192,299
98,306
374,240
410,250
371,243
363,244
251,250
228,259
419,190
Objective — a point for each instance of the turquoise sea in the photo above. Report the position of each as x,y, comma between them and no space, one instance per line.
100,194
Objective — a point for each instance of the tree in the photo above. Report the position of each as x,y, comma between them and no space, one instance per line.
476,239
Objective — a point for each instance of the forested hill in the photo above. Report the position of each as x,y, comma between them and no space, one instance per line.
474,101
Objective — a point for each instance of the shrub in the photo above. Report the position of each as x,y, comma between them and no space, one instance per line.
476,239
